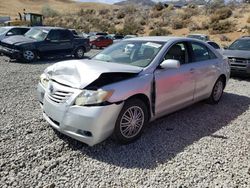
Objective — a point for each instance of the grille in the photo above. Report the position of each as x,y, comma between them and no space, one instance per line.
59,96
238,62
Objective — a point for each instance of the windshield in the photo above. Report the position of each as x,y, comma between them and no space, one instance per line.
243,44
136,53
37,34
3,30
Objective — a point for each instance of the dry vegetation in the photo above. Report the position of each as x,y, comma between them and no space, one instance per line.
12,7
222,23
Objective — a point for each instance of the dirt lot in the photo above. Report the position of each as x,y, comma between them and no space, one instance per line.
200,146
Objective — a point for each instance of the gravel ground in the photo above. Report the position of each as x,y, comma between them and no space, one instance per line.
200,146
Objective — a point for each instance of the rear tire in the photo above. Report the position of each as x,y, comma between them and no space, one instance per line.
217,91
131,121
79,53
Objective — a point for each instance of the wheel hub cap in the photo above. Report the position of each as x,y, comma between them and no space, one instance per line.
132,121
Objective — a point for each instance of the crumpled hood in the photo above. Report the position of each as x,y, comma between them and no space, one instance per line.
18,39
81,73
237,53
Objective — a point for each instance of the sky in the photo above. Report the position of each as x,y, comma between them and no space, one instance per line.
109,1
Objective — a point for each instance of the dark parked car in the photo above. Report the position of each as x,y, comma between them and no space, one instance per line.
202,37
44,42
100,41
238,54
6,32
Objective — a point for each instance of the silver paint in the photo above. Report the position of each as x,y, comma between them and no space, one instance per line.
175,88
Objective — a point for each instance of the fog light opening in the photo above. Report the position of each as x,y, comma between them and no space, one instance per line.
84,133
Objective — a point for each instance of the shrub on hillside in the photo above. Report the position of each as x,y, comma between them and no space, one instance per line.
188,13
155,14
104,11
221,27
160,32
193,26
112,29
120,15
204,25
84,12
130,9
224,38
159,6
178,23
47,11
130,27
221,14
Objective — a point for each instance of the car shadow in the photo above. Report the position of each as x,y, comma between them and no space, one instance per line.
241,77
166,137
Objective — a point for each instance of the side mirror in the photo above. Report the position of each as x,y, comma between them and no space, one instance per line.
9,34
170,64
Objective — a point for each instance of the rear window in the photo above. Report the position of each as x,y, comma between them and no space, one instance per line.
201,52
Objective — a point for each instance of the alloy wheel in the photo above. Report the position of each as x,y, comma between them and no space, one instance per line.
132,122
218,90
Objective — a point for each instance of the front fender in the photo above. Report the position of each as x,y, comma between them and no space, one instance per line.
141,84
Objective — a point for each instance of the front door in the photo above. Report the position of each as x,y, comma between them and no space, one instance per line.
174,87
58,42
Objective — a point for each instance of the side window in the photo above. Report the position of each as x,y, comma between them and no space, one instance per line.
211,54
54,35
200,52
16,31
24,30
178,52
64,35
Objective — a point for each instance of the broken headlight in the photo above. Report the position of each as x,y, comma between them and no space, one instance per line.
90,97
44,80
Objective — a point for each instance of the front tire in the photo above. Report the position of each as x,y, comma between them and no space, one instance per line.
79,53
29,56
217,91
131,121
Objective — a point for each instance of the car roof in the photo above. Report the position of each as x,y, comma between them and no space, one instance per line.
11,27
47,27
197,34
245,37
162,39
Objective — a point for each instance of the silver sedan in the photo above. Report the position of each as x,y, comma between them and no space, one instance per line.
128,84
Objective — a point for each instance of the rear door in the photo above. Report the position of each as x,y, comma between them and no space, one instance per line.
174,87
205,69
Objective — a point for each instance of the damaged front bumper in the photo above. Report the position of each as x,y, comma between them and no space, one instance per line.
90,125
11,53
